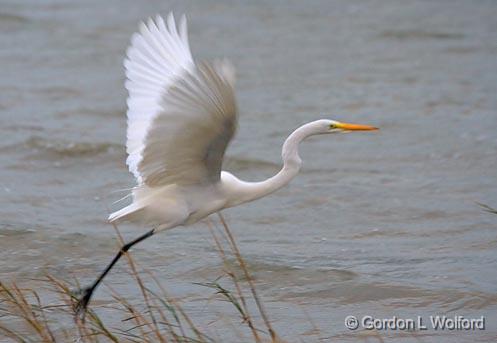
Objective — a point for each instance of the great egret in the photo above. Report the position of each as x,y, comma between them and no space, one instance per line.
181,117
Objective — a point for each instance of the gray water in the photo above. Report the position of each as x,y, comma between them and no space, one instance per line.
382,224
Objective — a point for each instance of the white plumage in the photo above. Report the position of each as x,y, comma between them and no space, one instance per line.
157,57
181,118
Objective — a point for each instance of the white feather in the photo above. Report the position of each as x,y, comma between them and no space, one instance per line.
156,57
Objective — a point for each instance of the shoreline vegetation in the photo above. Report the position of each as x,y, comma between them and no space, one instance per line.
26,317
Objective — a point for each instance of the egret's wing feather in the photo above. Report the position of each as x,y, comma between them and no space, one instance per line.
157,56
186,141
181,117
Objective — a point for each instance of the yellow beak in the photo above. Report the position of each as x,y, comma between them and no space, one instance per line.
355,127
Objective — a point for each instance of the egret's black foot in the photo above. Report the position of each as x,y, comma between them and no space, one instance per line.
83,296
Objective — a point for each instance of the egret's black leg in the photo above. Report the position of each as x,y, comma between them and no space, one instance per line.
86,292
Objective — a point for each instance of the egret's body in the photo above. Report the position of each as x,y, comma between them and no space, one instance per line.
181,118
175,204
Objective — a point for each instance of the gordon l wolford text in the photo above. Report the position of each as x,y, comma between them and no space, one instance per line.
438,322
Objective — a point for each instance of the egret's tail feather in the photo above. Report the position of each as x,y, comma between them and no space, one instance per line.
125,213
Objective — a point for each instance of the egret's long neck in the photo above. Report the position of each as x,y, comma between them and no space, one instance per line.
248,191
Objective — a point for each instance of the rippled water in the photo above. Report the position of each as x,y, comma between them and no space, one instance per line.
381,224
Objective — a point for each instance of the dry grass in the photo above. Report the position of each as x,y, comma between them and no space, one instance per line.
26,317
487,208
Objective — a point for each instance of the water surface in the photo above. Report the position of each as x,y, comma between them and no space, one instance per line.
382,224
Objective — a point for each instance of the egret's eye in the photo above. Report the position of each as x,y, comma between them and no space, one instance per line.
332,126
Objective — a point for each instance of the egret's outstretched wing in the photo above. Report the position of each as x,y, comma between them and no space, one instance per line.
183,133
157,56
185,143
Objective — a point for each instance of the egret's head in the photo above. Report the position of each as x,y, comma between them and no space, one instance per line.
333,126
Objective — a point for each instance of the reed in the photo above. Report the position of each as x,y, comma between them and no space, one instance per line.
30,315
487,208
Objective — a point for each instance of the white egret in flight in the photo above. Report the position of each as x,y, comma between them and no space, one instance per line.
181,117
